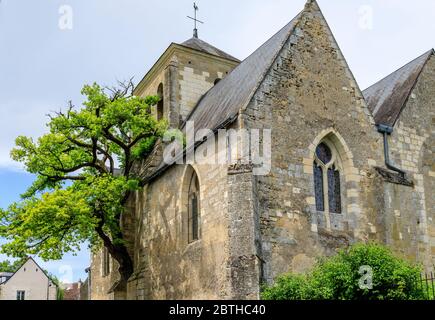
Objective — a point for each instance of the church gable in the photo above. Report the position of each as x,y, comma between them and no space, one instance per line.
312,204
310,80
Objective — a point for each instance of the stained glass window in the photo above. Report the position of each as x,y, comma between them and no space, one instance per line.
323,153
318,187
326,180
334,192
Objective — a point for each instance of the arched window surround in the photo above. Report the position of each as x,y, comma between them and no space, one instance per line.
328,194
191,206
348,184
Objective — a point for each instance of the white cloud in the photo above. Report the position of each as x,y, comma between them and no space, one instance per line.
26,118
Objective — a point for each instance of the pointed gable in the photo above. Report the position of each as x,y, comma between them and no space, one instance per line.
223,102
387,98
30,262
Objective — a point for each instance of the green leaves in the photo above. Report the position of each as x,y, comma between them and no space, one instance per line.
8,266
78,187
339,278
49,226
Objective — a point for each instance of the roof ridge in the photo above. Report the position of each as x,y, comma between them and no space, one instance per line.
429,53
295,22
189,43
388,97
291,26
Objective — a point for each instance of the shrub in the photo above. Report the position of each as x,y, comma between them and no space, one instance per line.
339,277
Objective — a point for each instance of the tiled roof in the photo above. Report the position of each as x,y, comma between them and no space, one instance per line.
234,92
387,98
200,45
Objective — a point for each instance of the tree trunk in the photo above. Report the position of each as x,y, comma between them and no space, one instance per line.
118,252
121,255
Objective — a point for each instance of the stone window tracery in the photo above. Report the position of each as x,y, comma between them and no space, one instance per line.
327,179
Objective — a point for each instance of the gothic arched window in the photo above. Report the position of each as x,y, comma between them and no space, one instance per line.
193,209
326,180
160,111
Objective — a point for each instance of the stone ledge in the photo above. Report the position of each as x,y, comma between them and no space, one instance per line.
334,236
394,177
240,168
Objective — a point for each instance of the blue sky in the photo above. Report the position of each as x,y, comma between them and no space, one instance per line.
43,66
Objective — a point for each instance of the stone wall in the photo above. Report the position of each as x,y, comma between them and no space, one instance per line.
196,75
167,266
308,96
101,284
254,228
410,210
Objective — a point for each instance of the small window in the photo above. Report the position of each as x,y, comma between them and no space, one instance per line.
160,104
193,209
21,295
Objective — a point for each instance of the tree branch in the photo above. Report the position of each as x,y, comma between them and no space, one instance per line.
62,178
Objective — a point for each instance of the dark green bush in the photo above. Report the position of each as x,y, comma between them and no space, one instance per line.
339,277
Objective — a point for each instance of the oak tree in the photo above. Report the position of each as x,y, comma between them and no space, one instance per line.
84,177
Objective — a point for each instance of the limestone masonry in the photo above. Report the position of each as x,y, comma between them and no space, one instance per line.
213,231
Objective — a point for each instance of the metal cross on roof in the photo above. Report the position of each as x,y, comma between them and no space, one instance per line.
195,30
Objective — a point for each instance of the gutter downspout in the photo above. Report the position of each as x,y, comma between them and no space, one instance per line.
386,131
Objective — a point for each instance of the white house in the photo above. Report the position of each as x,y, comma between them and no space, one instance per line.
29,282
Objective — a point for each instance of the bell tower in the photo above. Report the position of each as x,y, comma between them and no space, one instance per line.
183,74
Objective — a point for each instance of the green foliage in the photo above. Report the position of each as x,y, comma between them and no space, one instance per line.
79,194
338,278
9,266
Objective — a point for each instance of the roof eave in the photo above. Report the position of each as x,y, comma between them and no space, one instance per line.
396,118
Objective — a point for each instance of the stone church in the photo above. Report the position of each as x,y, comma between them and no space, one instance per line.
346,166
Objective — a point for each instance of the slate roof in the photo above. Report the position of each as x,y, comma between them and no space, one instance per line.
200,45
223,102
387,98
